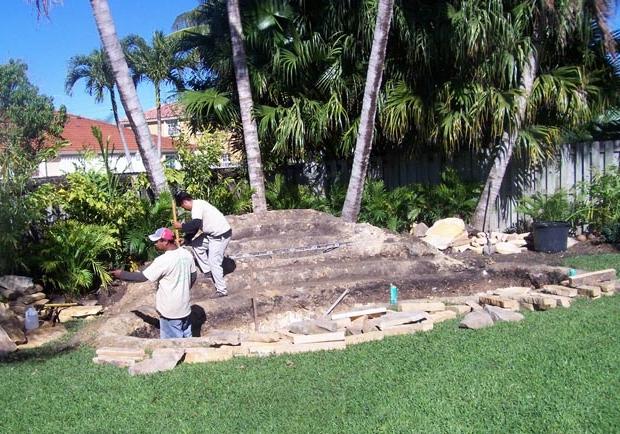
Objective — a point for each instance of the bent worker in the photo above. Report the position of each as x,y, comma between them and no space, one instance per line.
208,247
175,273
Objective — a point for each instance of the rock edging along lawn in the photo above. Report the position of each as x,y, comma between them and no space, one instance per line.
363,324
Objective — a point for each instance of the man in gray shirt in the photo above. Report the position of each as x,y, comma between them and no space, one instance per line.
210,245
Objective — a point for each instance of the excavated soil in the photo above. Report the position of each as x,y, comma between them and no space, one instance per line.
295,263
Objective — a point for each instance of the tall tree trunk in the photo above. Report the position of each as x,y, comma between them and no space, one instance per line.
121,130
353,200
504,153
158,105
246,105
129,97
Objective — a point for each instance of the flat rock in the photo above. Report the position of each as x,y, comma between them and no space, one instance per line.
163,359
392,319
564,291
499,314
313,326
591,291
17,283
419,229
420,305
460,309
31,298
133,353
43,335
69,313
474,305
540,302
444,232
592,277
512,291
260,337
504,302
6,344
476,320
442,316
507,248
205,355
13,326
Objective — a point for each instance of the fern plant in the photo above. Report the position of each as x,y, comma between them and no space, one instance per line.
74,256
541,207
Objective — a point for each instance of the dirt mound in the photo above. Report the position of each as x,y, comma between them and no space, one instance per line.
295,263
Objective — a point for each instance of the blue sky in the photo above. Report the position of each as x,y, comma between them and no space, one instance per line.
46,45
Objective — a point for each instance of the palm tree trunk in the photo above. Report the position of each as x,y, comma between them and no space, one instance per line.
129,97
246,105
353,200
158,105
121,131
504,153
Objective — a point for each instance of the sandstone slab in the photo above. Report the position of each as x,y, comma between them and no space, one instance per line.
540,302
499,314
69,313
6,344
364,337
321,337
205,355
420,306
460,309
43,335
392,319
507,248
476,320
407,329
592,277
564,291
16,283
442,316
443,232
591,291
494,300
512,291
163,359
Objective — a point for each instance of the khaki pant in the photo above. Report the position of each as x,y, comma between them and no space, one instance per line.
209,254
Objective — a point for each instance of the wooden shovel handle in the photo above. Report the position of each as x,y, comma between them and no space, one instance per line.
174,219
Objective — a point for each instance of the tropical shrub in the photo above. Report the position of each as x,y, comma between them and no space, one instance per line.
547,207
598,204
281,194
74,256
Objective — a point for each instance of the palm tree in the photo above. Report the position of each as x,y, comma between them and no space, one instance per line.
553,27
353,200
129,96
161,62
246,106
95,69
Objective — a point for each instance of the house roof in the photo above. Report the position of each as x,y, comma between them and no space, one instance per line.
80,137
168,111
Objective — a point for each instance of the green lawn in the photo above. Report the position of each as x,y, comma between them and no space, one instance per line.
595,262
557,371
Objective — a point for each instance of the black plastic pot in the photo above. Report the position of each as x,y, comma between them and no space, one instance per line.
550,237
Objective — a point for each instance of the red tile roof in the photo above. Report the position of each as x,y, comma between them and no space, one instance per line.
172,110
80,137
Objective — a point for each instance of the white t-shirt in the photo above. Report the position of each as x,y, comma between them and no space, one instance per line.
173,271
213,221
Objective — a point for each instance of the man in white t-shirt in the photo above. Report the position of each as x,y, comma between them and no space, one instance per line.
175,273
210,245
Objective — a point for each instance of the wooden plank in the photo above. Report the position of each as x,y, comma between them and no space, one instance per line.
321,337
356,313
592,277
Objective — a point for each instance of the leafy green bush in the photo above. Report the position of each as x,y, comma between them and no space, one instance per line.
284,195
452,197
74,256
598,205
547,207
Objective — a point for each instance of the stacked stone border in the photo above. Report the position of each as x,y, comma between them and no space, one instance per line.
364,323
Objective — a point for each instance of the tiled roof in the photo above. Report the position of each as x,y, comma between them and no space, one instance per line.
172,110
80,137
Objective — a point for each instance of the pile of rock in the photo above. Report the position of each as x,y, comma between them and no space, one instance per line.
362,324
17,295
452,233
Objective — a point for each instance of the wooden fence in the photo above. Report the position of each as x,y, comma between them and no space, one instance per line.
577,163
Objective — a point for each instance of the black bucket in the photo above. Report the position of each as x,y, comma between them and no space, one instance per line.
550,237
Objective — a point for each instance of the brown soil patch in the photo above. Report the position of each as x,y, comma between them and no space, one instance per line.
301,260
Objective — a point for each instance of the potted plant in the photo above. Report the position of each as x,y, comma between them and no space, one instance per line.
550,215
